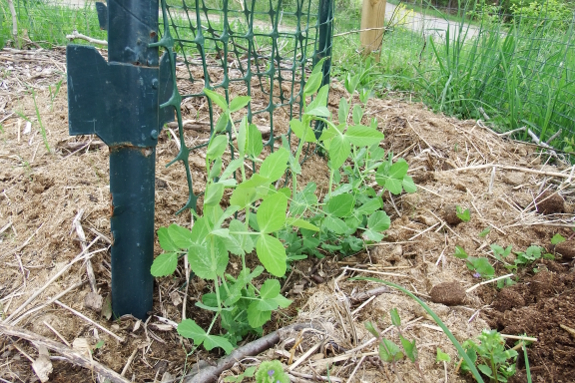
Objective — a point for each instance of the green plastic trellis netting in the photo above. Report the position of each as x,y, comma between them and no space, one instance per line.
262,49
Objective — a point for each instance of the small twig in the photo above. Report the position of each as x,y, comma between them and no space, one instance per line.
424,231
486,282
355,369
23,353
130,360
57,334
76,35
6,227
69,354
82,316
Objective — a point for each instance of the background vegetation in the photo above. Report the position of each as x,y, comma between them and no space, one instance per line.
509,63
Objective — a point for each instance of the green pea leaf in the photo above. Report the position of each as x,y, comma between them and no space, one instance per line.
166,242
379,221
246,192
257,317
339,150
335,224
399,169
557,239
360,135
275,165
189,329
371,328
460,253
357,114
239,102
214,194
343,111
313,83
341,205
299,128
254,141
217,146
270,289
409,348
271,214
209,262
164,264
408,184
302,224
180,236
212,341
272,254
217,98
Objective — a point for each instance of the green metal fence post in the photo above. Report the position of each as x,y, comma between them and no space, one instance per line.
119,101
325,37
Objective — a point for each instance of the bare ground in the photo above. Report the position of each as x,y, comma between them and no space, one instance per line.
453,162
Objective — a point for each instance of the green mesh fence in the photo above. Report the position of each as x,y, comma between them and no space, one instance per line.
244,48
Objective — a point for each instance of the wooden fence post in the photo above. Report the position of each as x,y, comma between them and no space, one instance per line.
372,16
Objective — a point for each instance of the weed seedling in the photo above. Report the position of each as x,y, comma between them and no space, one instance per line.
484,233
271,372
464,215
491,357
389,352
248,373
480,266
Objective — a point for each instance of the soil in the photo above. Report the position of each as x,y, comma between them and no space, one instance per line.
454,163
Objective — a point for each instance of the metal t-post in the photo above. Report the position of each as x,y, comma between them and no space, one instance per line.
119,101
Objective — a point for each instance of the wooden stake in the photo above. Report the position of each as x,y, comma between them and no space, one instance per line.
372,16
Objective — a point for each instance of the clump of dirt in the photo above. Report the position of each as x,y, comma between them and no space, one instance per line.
566,249
450,215
550,203
448,293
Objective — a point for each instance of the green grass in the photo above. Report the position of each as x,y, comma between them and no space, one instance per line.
519,76
48,25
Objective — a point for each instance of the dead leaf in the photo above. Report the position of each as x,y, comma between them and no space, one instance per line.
42,365
83,347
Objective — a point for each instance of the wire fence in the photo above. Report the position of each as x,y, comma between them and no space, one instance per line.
512,65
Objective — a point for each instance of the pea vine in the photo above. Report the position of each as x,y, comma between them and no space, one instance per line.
281,224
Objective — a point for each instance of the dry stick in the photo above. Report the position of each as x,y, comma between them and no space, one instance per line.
40,307
355,369
424,231
56,276
130,360
80,232
211,373
486,282
76,35
6,227
82,316
68,354
57,334
506,167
